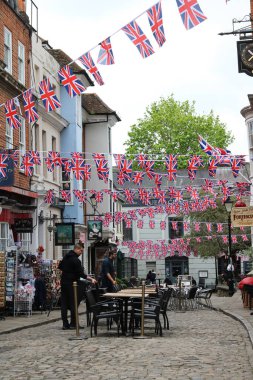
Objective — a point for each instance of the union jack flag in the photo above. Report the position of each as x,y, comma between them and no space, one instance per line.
140,223
89,64
152,224
102,170
47,95
118,158
162,225
174,226
3,165
219,227
121,178
105,55
136,35
66,195
178,195
53,159
27,165
129,194
12,114
15,157
155,18
149,169
34,156
137,177
194,194
190,13
234,239
193,165
235,166
115,196
99,196
171,166
209,227
80,169
29,106
98,157
186,226
206,147
80,195
158,179
212,168
141,159
126,169
49,197
197,226
244,238
70,81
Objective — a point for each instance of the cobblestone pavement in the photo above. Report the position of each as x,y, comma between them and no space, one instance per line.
200,345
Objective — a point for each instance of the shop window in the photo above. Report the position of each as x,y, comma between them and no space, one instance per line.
21,63
4,236
9,136
178,232
8,50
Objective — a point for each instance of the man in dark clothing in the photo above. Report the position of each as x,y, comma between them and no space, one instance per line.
72,271
108,271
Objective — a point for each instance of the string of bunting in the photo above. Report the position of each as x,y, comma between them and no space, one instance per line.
191,15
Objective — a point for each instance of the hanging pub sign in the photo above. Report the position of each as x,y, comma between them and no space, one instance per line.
94,229
6,169
23,225
65,234
242,216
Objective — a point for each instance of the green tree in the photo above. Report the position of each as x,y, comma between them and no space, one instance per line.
172,127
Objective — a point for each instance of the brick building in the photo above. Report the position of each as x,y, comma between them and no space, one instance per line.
16,199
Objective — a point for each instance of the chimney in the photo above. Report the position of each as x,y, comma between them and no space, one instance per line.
22,5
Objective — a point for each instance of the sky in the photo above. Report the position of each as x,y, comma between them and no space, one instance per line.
196,65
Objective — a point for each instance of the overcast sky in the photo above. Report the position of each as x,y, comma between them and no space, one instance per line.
196,65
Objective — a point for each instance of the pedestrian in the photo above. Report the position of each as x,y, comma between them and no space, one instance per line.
108,272
72,271
153,276
148,277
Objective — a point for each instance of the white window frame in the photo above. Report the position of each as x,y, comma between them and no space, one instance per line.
8,50
22,140
70,182
8,135
21,63
25,239
4,235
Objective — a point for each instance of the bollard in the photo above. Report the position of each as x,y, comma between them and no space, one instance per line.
77,337
142,336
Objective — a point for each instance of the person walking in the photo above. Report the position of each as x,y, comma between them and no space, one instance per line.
72,271
108,272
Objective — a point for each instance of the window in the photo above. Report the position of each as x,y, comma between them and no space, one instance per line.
21,63
8,50
22,137
67,184
4,236
9,136
179,231
25,239
127,232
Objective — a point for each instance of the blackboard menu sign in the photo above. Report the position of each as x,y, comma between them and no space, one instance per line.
23,225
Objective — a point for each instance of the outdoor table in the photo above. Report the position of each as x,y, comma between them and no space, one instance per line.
126,296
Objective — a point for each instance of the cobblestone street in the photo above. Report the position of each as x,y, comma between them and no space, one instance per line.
200,345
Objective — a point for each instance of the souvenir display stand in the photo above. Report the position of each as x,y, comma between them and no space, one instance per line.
2,283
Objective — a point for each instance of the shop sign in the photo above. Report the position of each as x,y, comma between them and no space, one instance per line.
242,216
8,178
23,225
94,229
65,234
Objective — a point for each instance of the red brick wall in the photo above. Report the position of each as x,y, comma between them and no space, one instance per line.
20,32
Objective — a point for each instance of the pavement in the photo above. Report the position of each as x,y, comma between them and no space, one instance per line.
231,306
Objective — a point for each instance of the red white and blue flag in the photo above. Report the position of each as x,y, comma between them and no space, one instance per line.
3,165
190,13
89,64
80,169
66,195
49,197
105,55
171,166
155,18
12,114
136,35
137,177
80,195
102,170
53,159
31,113
206,147
70,81
34,157
27,165
141,159
47,95
236,166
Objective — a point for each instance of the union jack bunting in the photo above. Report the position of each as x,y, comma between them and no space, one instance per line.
98,156
209,227
174,226
244,238
15,157
99,196
27,165
171,166
3,165
190,13
49,197
197,226
136,35
158,179
234,239
206,147
34,156
155,19
80,169
70,81
235,166
121,178
47,95
29,106
212,167
129,194
126,169
66,195
80,195
137,177
193,165
118,158
115,196
89,64
141,159
149,169
105,55
102,170
151,224
163,225
140,223
12,114
54,159
219,227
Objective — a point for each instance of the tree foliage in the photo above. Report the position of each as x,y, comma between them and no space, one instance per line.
172,127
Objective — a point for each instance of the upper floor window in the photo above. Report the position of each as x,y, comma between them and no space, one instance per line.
127,232
9,136
8,50
21,63
176,228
